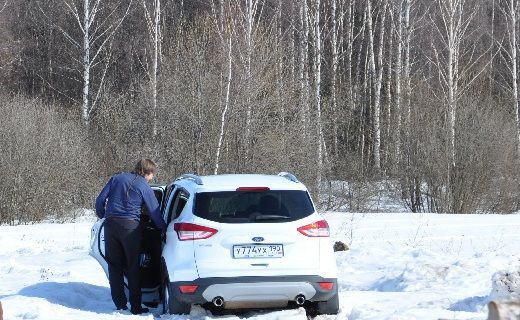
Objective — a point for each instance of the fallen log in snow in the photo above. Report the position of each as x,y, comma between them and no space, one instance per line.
504,310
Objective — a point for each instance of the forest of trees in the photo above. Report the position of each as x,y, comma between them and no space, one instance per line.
416,97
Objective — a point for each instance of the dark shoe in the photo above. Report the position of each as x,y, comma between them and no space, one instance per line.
139,310
122,308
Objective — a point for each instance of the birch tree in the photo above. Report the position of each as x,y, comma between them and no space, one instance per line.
335,61
97,22
457,66
376,72
153,23
315,20
398,79
303,67
251,13
510,13
220,25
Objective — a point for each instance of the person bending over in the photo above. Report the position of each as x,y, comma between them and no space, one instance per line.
120,203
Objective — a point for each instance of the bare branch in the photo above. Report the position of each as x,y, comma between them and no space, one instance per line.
3,6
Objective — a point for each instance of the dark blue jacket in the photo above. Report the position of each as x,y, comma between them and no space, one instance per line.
124,195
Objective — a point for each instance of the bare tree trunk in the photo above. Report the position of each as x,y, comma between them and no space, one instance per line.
317,77
293,46
156,42
398,79
513,9
359,88
407,63
304,61
224,111
249,47
491,55
389,97
154,30
377,78
96,38
279,66
365,105
86,60
334,45
351,88
452,84
456,76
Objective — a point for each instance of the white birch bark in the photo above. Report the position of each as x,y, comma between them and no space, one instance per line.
249,30
514,67
511,56
224,29
389,95
86,59
225,109
335,55
351,87
456,74
360,87
398,79
153,23
280,64
377,77
317,77
303,65
96,35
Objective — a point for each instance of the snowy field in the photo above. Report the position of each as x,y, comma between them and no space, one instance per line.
400,266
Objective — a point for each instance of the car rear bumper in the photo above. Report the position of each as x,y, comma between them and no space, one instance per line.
249,292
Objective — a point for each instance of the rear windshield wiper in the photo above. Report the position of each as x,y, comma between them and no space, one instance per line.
270,217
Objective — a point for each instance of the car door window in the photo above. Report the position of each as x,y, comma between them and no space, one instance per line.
180,197
167,192
168,202
159,195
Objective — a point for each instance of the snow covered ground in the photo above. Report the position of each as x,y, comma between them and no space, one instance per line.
400,266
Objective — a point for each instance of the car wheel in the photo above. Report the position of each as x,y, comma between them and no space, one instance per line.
170,305
330,306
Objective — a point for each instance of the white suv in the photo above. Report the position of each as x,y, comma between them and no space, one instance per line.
235,241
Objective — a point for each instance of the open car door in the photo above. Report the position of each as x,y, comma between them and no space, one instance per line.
151,251
97,244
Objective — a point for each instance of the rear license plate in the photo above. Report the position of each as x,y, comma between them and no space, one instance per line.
258,251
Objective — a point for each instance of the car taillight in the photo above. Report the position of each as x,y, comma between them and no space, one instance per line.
189,289
326,285
191,231
316,229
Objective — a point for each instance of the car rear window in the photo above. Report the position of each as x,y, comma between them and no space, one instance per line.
246,207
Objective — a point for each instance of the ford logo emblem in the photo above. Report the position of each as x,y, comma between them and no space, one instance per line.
258,239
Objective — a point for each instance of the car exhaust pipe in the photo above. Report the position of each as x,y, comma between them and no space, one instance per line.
218,302
300,299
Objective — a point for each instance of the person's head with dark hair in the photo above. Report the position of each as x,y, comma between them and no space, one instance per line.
146,168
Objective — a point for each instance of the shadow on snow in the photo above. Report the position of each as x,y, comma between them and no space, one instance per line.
471,304
75,295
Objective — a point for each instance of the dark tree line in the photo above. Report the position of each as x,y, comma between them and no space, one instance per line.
416,97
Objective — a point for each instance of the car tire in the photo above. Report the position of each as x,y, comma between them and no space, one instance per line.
169,304
330,306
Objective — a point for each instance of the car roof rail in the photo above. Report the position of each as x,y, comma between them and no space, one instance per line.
289,176
192,177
